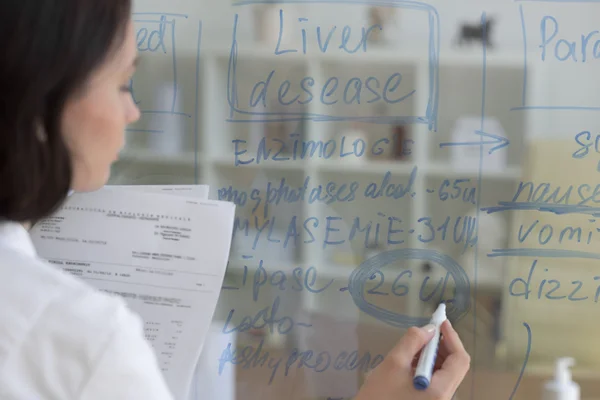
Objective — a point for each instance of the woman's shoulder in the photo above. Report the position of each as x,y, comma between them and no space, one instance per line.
32,288
48,314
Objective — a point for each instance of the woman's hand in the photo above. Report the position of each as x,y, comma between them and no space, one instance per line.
393,378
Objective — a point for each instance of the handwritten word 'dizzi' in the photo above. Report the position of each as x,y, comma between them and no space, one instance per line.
541,284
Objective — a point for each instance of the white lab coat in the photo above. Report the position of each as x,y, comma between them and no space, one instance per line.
60,339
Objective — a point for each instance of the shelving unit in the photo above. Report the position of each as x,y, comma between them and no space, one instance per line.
211,159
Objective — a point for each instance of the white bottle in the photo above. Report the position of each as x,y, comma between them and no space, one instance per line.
562,387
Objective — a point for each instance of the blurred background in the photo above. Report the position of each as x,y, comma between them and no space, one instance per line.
384,157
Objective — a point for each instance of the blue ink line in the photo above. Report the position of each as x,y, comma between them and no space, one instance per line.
144,130
247,257
559,209
132,92
556,108
174,68
304,324
198,46
232,97
500,141
365,271
323,118
229,288
546,253
484,73
524,54
479,189
166,112
479,143
155,21
526,325
159,13
434,70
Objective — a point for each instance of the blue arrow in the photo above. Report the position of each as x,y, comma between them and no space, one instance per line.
500,141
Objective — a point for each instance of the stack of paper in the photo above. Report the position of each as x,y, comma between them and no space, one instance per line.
164,249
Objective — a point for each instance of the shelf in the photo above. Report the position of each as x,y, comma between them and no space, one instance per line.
440,170
144,156
229,162
365,167
374,55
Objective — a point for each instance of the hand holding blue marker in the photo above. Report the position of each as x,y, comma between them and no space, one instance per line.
395,377
426,363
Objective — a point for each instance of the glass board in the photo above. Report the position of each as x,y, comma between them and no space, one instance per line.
384,156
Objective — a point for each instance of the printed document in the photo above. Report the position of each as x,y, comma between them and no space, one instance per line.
198,191
166,254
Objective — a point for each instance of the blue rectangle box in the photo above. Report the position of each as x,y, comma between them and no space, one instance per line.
427,116
558,50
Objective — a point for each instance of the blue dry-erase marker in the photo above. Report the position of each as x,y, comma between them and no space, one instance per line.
429,353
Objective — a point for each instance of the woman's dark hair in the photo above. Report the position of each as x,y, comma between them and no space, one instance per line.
47,51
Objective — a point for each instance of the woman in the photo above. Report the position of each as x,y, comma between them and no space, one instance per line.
64,87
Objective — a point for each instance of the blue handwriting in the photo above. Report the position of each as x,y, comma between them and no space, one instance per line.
324,41
584,139
549,288
354,87
574,199
266,317
330,192
547,232
295,148
457,191
256,357
336,191
153,40
300,279
353,91
400,288
566,49
456,309
460,229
